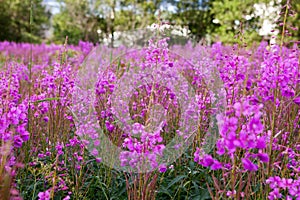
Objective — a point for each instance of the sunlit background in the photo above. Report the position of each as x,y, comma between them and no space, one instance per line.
110,21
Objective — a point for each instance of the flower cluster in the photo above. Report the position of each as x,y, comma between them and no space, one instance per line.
144,151
140,101
244,130
248,136
279,185
206,160
13,112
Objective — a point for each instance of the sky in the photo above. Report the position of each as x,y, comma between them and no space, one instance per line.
53,5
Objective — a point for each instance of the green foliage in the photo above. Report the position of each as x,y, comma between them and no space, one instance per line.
291,9
194,14
231,18
14,21
63,28
295,18
220,20
187,180
78,20
136,14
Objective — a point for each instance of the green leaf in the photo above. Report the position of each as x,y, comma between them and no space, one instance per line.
176,180
47,99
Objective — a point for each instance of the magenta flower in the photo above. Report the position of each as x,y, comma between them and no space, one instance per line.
67,198
162,168
297,101
18,141
207,161
275,194
44,195
261,143
248,165
216,165
263,157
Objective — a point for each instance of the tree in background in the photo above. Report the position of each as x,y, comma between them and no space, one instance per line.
135,14
82,20
290,8
253,20
79,20
232,17
194,14
295,19
14,20
93,20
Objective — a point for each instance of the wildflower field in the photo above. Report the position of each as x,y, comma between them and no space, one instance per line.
159,122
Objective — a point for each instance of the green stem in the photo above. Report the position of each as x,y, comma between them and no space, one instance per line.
284,23
34,188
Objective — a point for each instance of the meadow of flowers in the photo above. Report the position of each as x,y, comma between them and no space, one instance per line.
236,134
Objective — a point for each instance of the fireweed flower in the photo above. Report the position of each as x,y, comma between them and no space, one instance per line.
55,81
233,136
206,160
248,165
145,151
44,195
297,101
243,134
142,140
263,157
13,118
249,83
279,185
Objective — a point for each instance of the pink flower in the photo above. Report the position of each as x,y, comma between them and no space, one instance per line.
216,165
44,195
297,101
67,198
248,165
162,168
263,157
